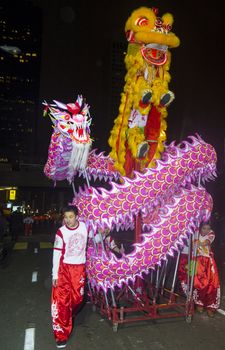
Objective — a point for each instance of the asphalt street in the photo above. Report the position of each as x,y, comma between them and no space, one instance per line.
25,291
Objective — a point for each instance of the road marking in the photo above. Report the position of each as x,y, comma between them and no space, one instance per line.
34,276
20,246
29,339
35,250
222,312
46,245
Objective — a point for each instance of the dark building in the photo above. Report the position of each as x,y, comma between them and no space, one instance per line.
20,54
118,72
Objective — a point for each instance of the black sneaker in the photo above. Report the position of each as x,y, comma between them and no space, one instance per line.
142,149
60,344
166,99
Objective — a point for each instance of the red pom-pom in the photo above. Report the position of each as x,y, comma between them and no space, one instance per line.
155,10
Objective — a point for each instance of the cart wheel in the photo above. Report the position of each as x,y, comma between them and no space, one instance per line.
115,327
188,319
94,308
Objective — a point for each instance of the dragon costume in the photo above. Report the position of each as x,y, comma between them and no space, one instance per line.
169,195
139,130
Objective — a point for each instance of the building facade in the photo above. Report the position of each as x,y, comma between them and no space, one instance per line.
20,58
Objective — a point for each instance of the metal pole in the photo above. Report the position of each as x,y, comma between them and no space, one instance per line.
199,179
106,299
157,277
151,276
164,275
135,295
194,266
156,285
175,271
87,179
113,298
74,191
90,291
189,265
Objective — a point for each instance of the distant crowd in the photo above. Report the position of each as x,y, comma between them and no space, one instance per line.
18,223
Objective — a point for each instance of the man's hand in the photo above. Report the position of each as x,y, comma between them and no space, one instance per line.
54,282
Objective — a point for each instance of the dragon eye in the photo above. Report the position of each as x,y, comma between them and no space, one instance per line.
141,21
167,27
158,22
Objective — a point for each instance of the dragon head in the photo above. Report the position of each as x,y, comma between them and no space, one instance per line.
71,120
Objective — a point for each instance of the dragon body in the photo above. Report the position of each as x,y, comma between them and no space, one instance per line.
183,216
171,206
102,208
99,166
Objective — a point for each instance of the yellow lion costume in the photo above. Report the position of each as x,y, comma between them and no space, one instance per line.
139,130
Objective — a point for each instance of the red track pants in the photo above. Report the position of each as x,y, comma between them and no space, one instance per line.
66,297
28,229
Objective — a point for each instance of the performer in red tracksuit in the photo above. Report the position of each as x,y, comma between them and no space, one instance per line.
206,292
68,273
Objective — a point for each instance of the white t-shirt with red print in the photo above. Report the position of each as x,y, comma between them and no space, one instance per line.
202,250
205,250
69,247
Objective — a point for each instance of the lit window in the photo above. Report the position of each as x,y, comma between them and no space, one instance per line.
34,54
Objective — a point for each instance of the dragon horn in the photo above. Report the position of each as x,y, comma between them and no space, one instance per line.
60,104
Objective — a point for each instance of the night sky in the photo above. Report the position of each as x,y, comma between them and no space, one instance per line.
76,59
